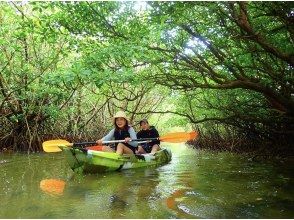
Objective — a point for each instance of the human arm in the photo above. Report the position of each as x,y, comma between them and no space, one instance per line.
155,134
108,137
139,134
133,136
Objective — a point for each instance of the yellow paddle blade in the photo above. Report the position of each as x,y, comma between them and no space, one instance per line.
179,137
52,186
52,145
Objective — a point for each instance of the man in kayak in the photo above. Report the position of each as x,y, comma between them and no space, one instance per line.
147,131
121,131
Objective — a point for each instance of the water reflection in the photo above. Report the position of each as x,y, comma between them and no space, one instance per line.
111,195
194,185
54,187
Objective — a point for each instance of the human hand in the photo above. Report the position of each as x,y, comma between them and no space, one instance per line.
99,142
127,139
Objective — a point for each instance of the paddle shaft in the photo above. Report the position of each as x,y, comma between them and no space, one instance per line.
145,140
141,140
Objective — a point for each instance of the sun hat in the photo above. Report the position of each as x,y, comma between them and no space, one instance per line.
120,114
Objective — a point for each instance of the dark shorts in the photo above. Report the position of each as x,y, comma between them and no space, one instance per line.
147,147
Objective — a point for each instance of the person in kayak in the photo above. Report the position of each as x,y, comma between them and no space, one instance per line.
121,131
147,131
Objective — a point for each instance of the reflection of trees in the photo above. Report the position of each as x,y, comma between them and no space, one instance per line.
20,177
229,186
186,183
138,195
128,193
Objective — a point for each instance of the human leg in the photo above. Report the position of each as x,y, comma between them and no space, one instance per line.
155,148
140,150
123,149
107,149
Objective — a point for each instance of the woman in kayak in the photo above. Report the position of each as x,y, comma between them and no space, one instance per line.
148,131
121,131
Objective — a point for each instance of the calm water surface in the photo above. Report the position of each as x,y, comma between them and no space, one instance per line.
194,184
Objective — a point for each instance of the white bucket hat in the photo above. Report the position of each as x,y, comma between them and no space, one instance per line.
120,114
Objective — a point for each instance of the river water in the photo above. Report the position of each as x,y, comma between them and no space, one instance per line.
195,184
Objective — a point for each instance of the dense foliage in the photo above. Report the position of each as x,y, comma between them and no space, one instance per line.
224,68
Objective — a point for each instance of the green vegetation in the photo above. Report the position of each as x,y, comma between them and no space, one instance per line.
224,68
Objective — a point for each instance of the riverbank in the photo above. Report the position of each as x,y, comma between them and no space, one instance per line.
254,148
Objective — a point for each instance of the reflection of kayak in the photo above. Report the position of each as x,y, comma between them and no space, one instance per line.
92,161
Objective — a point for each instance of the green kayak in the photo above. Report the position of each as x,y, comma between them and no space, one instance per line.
92,161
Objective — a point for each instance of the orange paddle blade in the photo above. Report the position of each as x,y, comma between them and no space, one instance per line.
52,145
179,137
52,186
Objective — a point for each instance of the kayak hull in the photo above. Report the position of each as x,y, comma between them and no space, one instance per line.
91,161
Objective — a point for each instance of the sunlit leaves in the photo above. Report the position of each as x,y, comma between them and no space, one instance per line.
87,54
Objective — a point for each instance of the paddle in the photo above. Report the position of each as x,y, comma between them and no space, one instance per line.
52,146
176,137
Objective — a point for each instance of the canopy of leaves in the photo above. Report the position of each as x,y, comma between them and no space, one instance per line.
66,67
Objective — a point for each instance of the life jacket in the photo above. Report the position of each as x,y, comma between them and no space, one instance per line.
121,134
150,133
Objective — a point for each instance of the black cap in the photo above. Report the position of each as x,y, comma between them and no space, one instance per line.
144,120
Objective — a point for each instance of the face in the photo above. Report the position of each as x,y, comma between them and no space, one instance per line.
144,125
120,122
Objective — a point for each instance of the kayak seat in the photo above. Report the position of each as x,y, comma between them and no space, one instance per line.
97,148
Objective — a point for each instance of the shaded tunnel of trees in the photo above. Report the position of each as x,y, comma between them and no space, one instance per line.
222,68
